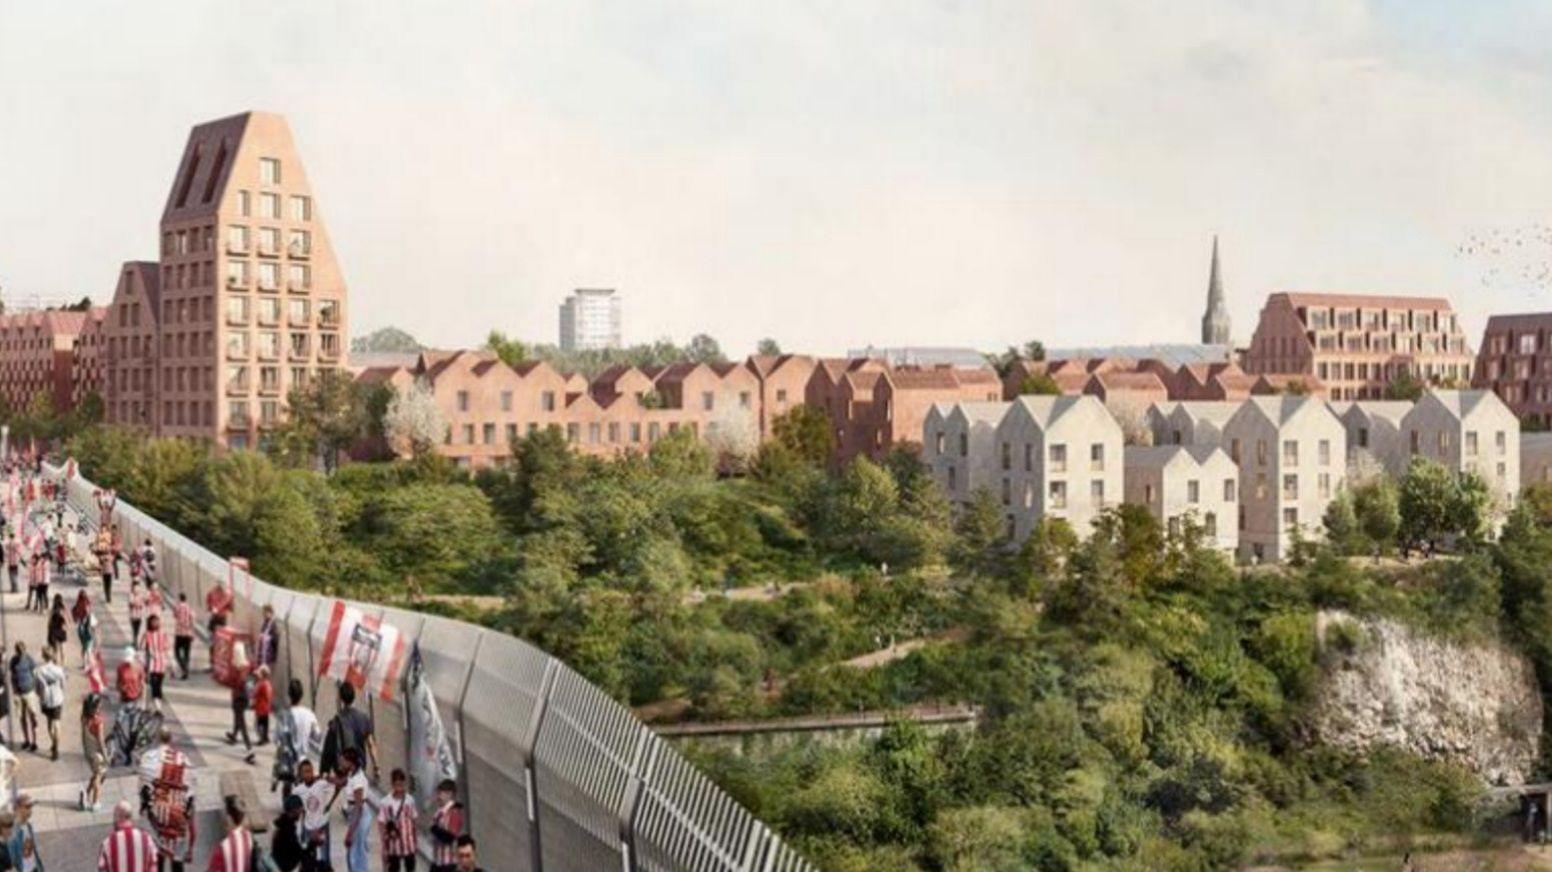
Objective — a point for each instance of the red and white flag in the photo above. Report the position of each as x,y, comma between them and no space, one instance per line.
362,650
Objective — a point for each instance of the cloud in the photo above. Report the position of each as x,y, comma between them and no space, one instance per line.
829,174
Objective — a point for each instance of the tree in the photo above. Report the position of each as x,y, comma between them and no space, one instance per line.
1470,502
1039,383
1034,349
1341,523
981,535
679,456
805,431
733,436
435,533
1378,511
1425,503
768,347
511,351
324,417
413,422
704,349
1404,386
386,340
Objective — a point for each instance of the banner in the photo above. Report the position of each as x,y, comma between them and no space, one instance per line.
431,754
362,650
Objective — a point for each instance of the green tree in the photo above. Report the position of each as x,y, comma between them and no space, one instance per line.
436,533
510,350
1341,523
1034,349
1425,503
704,349
1039,383
1378,510
981,535
324,418
1469,504
386,340
805,431
681,456
1404,386
768,347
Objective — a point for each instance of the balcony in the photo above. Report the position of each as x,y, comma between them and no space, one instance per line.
302,353
235,246
237,283
239,422
237,386
298,286
328,352
268,319
269,388
268,354
299,250
268,285
234,352
269,249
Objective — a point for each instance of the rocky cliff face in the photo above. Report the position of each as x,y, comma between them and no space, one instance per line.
1385,684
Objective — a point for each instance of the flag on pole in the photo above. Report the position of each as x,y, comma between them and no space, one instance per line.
431,753
361,649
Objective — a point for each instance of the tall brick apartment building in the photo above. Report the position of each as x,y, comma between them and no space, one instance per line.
39,355
1356,344
1515,362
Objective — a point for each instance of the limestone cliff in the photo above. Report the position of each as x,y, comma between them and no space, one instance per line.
1385,684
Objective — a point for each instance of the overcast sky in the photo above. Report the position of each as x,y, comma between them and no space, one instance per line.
829,174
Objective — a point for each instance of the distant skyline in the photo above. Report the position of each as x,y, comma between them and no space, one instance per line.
833,176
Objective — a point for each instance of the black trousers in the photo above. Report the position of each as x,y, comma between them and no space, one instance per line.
182,648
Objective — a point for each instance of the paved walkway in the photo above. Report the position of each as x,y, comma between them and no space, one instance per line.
198,711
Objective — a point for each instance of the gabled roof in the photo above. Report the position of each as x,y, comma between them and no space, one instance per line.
1212,411
1130,381
1160,456
1364,301
379,374
1280,409
979,412
1385,410
1046,410
907,379
1460,403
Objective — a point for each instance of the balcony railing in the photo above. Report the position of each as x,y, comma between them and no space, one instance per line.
269,249
239,422
298,286
299,250
237,282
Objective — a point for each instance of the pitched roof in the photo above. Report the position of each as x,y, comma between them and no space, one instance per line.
908,379
1461,403
1364,301
1046,409
1282,408
1212,411
1130,381
979,411
1160,456
1389,410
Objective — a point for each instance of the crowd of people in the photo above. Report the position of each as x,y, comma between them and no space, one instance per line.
326,774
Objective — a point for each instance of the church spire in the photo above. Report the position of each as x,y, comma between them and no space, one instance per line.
1215,321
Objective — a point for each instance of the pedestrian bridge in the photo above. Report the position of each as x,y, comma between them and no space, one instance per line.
554,774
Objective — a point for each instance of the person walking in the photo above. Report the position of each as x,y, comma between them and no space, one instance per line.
183,634
7,827
396,813
241,690
468,859
166,777
130,679
51,693
269,637
358,811
24,691
13,559
297,737
349,728
317,795
137,609
263,700
58,632
218,602
446,827
85,622
23,844
285,845
157,648
235,852
127,847
37,581
94,747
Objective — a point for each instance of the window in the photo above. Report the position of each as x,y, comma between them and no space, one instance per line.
1363,437
1097,491
269,345
1290,518
781,396
236,310
269,206
1059,458
468,434
328,313
547,401
1324,450
1500,442
743,399
328,344
1029,456
1502,471
1290,452
1234,450
1323,485
1193,491
1290,487
237,345
1229,487
1147,494
269,240
269,412
1261,452
1057,492
237,379
1097,457
299,376
512,433
1261,488
488,434
635,432
964,445
245,204
1007,456
269,171
237,239
269,311
301,209
1471,443
463,401
299,276
1007,491
506,401
269,276
707,400
952,484
1210,524
296,312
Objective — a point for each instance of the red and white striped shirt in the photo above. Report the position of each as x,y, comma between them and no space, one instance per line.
234,854
398,821
449,817
137,605
183,617
157,647
127,849
154,602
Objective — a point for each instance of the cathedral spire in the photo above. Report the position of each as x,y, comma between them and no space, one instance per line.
1215,321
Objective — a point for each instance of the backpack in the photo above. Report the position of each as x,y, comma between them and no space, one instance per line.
287,754
335,741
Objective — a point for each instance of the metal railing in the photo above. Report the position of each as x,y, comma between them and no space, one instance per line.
555,774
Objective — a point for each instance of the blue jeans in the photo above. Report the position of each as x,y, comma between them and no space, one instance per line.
358,858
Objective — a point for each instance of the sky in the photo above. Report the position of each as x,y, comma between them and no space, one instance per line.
827,174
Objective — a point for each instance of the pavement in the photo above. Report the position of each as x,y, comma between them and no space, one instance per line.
198,711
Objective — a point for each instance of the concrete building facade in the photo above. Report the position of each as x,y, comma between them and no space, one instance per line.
959,447
1356,344
1375,443
590,319
1291,455
1058,457
1180,482
1468,431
